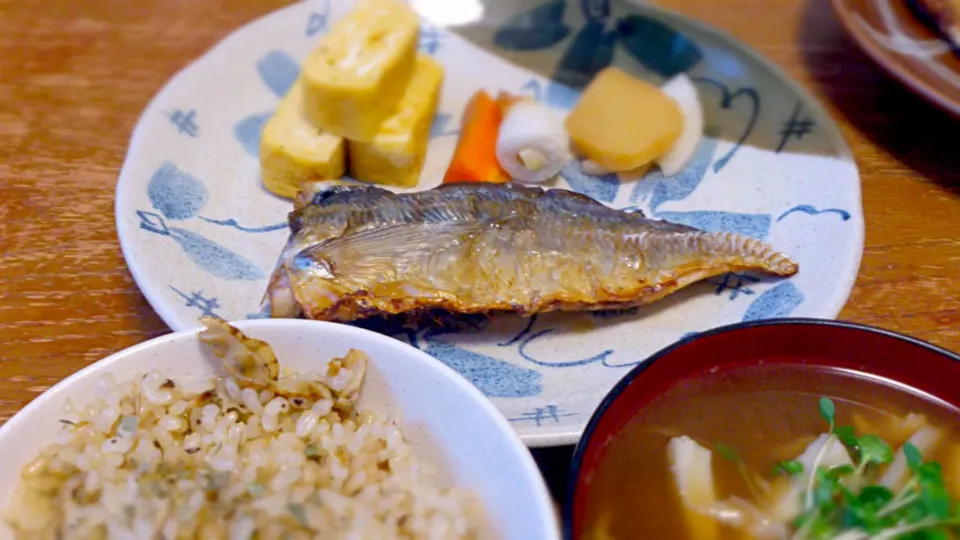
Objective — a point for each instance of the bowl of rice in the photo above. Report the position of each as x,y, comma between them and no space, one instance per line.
268,429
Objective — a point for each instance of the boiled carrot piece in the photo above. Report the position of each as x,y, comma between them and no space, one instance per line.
475,158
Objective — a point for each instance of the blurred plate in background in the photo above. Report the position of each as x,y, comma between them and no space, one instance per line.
896,37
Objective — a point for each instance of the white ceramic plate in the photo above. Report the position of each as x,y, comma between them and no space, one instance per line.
200,233
471,445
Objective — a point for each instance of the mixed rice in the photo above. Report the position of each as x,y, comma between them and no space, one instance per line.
255,454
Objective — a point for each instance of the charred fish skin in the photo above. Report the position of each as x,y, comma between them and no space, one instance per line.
358,251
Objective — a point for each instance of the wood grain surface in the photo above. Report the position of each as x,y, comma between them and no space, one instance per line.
75,74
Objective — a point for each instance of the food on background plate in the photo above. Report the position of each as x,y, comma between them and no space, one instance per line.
255,454
475,157
366,87
622,123
395,155
755,452
532,145
359,251
293,150
946,15
358,73
508,138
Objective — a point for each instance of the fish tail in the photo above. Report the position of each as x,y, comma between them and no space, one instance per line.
683,258
748,252
701,254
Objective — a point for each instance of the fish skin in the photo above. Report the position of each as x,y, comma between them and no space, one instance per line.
359,251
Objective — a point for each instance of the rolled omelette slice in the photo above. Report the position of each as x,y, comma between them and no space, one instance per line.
360,70
395,156
294,151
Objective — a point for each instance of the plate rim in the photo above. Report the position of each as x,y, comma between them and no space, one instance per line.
533,438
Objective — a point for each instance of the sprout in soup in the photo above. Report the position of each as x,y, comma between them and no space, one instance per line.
781,452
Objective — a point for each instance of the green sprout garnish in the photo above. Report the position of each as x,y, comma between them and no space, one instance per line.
791,468
847,435
728,453
874,450
848,502
913,455
827,411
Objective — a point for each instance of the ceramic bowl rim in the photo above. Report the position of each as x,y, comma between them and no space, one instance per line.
319,327
583,444
533,480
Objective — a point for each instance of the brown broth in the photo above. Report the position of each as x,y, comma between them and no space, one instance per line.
766,413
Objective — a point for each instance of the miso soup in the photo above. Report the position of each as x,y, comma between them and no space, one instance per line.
781,451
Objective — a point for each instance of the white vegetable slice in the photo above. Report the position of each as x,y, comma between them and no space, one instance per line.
682,90
926,440
532,144
834,454
692,471
745,516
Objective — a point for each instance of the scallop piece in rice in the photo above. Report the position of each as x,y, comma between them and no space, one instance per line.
258,453
245,358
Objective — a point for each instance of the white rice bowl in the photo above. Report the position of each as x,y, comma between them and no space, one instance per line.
420,454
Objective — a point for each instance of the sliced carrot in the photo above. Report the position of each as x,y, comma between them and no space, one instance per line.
475,159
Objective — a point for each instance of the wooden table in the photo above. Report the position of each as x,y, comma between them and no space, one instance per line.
74,76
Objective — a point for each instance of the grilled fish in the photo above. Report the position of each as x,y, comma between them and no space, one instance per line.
358,251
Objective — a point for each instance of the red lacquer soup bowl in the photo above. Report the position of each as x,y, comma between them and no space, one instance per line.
806,346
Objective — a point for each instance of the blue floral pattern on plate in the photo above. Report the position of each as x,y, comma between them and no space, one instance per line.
201,234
